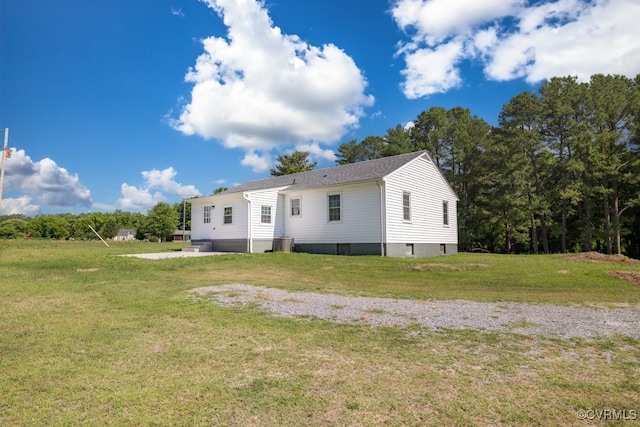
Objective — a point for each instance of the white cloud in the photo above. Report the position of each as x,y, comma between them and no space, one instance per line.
177,12
105,207
19,205
258,163
162,181
134,198
484,41
317,152
432,71
434,21
538,15
515,39
44,182
259,89
604,39
263,162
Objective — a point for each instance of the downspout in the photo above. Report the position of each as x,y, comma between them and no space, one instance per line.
284,208
249,229
383,236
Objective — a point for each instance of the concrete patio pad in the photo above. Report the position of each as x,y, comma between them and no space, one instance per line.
176,254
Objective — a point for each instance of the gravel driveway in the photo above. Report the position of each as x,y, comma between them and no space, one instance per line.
521,318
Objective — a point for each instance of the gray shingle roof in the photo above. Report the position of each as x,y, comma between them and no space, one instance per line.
370,170
124,232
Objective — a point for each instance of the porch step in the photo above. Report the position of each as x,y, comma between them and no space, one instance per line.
199,247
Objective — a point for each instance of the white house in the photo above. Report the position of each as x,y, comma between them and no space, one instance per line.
125,234
399,206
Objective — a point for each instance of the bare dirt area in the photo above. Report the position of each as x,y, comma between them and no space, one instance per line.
459,267
629,276
598,257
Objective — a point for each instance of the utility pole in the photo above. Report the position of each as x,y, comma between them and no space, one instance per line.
4,159
99,236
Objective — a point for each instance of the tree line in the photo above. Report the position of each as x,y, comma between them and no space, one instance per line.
560,172
159,223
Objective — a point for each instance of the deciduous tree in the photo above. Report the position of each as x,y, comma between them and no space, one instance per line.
162,221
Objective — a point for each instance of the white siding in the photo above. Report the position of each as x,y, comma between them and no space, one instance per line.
198,228
428,190
217,229
361,219
266,198
360,215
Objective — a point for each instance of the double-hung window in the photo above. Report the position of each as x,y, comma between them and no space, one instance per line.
295,207
406,206
334,207
445,213
265,214
228,215
207,215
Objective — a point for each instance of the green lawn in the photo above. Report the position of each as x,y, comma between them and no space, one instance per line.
90,338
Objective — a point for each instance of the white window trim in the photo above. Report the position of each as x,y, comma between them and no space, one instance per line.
405,220
206,219
338,221
299,198
270,215
223,215
446,212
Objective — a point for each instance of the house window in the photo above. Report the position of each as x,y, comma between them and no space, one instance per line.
334,207
406,206
207,214
295,207
265,215
445,213
228,215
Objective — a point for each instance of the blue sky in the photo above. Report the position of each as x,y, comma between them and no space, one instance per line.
120,104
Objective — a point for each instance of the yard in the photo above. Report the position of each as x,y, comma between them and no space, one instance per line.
87,337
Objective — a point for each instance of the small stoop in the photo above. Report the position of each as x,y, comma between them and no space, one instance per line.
198,247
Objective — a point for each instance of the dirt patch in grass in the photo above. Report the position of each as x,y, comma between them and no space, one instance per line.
435,265
598,257
450,267
478,265
629,276
87,270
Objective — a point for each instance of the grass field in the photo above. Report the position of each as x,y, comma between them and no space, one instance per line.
90,338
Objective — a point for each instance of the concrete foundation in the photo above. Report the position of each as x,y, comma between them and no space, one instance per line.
395,250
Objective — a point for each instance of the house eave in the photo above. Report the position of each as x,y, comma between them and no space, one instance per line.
294,189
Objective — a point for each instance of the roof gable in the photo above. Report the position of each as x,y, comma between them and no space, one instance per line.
433,165
369,170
